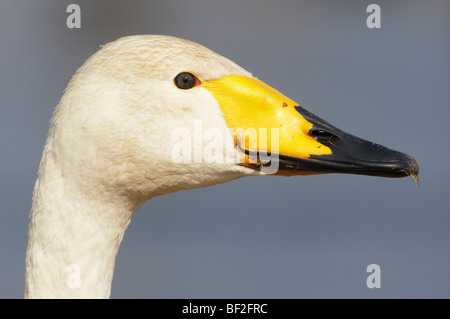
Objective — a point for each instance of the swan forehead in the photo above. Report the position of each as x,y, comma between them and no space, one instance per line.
163,57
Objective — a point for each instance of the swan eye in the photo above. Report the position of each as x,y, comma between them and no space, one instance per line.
186,80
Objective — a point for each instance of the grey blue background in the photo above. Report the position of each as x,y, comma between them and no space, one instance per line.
272,237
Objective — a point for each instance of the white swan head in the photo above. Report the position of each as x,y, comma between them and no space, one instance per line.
125,123
149,115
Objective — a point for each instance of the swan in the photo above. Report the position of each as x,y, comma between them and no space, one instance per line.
149,115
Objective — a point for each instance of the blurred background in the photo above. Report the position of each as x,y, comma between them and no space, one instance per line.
273,237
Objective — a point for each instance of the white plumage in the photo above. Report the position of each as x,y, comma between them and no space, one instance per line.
109,150
110,147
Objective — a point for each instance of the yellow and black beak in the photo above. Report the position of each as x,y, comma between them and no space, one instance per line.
271,128
349,154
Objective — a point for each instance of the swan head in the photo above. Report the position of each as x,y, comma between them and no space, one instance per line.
148,115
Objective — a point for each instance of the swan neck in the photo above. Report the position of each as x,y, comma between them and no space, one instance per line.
74,237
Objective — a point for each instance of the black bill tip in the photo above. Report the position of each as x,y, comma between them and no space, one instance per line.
350,154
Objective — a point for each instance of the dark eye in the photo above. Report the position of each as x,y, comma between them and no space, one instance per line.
186,80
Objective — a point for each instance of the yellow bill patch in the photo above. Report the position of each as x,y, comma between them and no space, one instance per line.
252,107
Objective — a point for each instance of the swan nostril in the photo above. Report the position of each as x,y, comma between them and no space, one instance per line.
323,136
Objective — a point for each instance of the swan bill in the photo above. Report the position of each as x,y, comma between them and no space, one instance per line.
270,128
